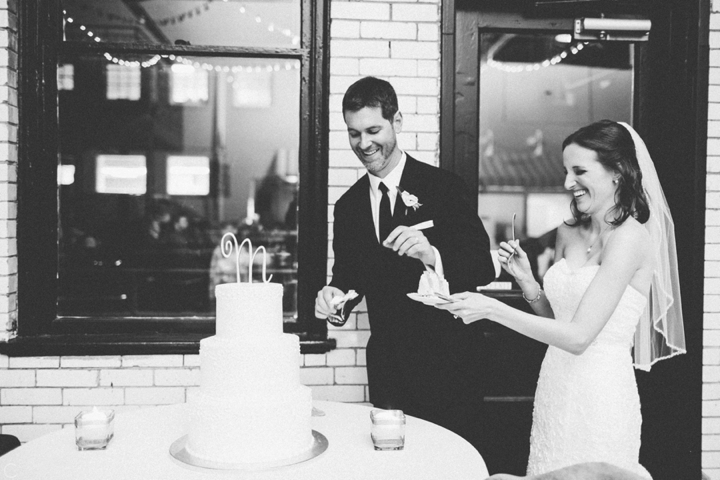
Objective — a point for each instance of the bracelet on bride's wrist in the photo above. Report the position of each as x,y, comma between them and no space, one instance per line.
537,297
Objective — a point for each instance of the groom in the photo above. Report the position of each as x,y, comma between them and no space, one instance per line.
405,217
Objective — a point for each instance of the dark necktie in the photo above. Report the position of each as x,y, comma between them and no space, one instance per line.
385,213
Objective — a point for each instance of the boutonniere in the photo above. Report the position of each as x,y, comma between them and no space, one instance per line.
410,200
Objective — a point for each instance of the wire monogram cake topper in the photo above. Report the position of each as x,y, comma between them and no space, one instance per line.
229,241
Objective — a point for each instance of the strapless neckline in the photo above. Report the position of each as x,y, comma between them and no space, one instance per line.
574,271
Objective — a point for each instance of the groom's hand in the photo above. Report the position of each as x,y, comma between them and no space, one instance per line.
411,242
323,302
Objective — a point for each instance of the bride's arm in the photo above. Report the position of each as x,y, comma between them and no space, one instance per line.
623,256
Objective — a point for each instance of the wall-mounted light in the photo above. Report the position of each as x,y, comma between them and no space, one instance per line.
617,29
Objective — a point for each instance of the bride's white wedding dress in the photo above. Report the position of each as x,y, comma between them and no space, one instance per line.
587,407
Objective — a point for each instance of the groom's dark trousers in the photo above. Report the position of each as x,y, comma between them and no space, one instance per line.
419,359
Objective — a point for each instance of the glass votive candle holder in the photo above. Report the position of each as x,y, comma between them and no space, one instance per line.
388,429
94,429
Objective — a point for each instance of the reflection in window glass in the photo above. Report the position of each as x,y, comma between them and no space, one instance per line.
188,84
188,22
126,174
188,175
534,91
158,183
65,76
123,82
252,88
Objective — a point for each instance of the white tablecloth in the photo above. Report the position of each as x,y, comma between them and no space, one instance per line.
140,450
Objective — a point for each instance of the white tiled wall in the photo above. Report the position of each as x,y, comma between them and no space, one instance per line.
396,40
711,317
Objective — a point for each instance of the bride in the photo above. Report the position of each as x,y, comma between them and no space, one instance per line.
614,277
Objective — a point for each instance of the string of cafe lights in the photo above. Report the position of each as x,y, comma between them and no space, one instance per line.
205,66
572,50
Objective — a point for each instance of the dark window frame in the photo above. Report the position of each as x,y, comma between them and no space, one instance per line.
39,329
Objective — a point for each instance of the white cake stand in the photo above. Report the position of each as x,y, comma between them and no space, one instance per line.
179,451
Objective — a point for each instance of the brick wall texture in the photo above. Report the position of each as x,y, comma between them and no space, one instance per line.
711,310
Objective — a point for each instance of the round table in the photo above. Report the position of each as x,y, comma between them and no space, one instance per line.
141,450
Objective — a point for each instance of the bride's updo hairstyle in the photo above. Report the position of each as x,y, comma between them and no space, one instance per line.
615,150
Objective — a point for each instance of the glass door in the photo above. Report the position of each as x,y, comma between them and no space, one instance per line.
536,89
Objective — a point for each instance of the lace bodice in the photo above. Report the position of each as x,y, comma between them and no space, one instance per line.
587,407
565,288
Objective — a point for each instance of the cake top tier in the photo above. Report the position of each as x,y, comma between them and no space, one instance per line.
249,310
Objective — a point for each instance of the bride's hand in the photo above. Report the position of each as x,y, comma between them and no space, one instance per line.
469,306
514,260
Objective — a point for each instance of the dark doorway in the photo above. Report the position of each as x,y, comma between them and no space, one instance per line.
659,85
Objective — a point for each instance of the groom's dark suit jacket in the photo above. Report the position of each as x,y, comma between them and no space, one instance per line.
419,359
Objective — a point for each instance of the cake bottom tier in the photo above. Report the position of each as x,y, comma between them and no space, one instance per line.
250,429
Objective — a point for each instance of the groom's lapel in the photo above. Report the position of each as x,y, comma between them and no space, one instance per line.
410,182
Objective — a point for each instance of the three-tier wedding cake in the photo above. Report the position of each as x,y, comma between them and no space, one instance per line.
251,406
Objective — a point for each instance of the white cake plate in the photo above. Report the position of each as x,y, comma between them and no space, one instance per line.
179,451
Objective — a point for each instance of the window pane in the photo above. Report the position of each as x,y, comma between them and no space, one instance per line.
268,23
149,186
534,91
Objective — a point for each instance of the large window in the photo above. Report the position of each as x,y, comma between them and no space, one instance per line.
165,124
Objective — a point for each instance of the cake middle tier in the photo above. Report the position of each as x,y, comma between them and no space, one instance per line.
238,365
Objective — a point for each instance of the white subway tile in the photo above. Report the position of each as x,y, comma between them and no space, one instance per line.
383,68
15,414
318,360
34,362
30,396
359,11
154,395
711,425
711,408
417,50
351,339
67,378
93,396
711,356
316,376
341,356
345,29
152,361
126,377
361,359
408,12
711,443
710,459
429,32
710,391
17,378
90,361
388,30
60,414
360,49
339,393
192,360
351,375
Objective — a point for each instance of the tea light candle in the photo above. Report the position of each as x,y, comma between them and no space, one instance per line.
388,429
94,429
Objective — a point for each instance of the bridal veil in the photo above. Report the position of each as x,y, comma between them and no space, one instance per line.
660,332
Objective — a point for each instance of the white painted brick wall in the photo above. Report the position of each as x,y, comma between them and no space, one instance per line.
711,308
